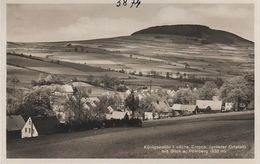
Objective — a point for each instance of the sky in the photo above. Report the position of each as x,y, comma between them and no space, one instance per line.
56,22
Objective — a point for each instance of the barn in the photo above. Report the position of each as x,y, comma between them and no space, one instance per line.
182,109
14,125
36,126
209,105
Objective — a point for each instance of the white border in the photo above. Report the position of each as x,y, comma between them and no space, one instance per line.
3,3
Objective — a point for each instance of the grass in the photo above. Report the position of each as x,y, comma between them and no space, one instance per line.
204,130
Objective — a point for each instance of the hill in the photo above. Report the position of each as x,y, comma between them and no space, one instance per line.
176,51
206,34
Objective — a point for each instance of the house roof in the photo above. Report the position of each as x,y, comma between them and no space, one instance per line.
14,122
116,115
67,88
81,84
184,107
214,105
45,125
161,106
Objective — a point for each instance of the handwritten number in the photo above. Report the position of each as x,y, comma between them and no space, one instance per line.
118,3
135,2
124,2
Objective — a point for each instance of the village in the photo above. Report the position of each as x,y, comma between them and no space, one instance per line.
53,106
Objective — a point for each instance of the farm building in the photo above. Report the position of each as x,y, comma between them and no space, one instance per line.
56,89
14,125
36,126
184,109
110,109
228,106
209,104
90,102
117,115
148,116
64,90
162,108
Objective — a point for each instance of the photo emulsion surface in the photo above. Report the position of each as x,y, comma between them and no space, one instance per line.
130,80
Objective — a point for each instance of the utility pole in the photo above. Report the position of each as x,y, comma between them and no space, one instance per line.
150,86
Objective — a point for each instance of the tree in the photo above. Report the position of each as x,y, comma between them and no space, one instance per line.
89,91
238,89
75,105
90,79
219,82
183,96
167,75
35,104
132,102
208,90
39,98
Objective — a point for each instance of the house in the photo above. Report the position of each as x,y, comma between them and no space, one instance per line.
63,90
148,116
110,109
209,105
228,106
184,109
14,125
170,92
36,126
162,108
117,115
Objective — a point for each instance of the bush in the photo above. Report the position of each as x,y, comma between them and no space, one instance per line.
93,124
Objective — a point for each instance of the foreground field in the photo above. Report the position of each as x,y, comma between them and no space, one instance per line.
233,130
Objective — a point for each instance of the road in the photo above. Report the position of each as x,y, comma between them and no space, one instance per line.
232,134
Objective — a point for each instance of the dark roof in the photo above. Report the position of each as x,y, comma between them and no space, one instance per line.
14,122
45,125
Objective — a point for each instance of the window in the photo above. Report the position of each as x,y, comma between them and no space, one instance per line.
29,130
25,130
29,122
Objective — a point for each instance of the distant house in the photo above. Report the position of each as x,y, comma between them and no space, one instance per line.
209,105
171,92
110,109
229,106
36,126
64,90
14,125
184,109
90,102
162,108
117,115
148,116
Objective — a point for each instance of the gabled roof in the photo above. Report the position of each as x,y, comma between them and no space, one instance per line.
161,106
116,115
214,105
184,107
67,88
45,125
14,122
81,84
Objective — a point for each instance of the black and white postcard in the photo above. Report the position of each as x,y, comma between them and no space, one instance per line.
130,79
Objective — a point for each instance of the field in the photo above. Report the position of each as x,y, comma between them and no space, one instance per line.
224,129
149,53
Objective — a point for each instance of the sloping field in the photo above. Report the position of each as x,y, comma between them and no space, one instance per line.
144,53
226,129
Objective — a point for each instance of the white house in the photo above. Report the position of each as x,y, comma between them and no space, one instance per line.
29,129
117,115
229,106
148,116
36,126
214,105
